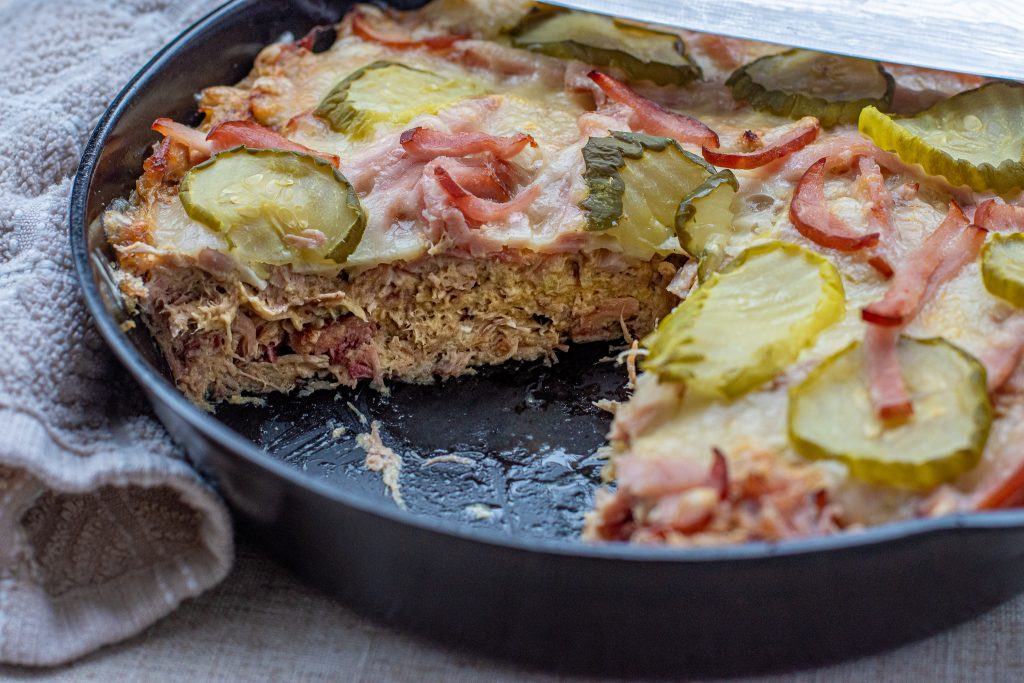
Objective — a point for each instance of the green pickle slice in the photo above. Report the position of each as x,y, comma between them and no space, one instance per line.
641,188
748,322
704,222
640,53
831,416
974,138
799,83
1002,267
256,197
388,93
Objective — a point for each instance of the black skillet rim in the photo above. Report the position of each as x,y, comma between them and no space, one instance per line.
159,388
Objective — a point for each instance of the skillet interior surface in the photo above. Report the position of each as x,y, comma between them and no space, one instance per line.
487,554
512,448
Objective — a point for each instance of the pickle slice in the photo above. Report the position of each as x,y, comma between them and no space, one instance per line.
259,197
799,83
748,322
974,138
1002,267
704,222
388,92
640,53
640,187
831,416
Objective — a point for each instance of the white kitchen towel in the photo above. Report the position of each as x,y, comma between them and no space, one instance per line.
103,527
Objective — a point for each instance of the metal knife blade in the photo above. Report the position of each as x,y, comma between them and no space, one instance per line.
983,37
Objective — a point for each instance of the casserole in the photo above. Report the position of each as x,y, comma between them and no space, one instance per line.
521,592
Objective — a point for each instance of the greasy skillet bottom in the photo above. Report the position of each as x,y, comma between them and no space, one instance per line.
530,433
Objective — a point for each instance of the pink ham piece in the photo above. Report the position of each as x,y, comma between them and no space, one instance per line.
1004,486
882,265
1009,492
308,41
1005,353
652,118
880,212
362,28
656,477
487,181
186,135
478,209
998,216
888,391
426,144
906,293
718,473
840,149
254,136
963,249
802,134
688,512
810,215
939,258
233,134
680,495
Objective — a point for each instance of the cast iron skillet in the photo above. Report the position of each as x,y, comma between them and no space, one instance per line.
487,556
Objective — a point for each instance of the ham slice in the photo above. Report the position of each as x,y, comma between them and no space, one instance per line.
1008,493
488,179
310,40
254,136
650,117
426,144
656,477
879,213
953,244
1005,353
998,216
840,150
963,249
478,209
600,123
233,134
509,61
810,215
803,133
718,473
362,27
186,135
888,391
906,294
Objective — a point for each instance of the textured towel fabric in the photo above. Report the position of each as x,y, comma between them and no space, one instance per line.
103,528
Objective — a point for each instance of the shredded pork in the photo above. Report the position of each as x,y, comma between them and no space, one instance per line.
382,459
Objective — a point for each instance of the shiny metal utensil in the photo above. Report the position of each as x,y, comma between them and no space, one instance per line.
970,37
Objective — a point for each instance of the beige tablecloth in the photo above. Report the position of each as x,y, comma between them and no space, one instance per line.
261,624
104,528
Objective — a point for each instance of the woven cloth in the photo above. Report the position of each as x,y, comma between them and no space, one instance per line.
264,625
103,527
